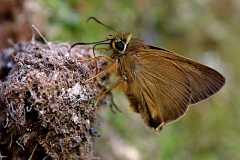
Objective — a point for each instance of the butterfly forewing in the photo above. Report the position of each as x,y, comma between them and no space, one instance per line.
162,93
204,81
164,83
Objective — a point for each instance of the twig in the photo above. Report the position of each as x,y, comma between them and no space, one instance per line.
31,156
36,30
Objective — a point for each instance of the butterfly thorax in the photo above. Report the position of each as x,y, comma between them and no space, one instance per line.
124,49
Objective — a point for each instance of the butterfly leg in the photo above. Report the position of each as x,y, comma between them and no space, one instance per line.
95,60
110,67
114,106
98,57
104,57
160,127
105,92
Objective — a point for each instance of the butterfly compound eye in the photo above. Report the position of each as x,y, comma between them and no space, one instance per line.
119,45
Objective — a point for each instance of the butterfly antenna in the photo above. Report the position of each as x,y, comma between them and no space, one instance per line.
99,22
83,43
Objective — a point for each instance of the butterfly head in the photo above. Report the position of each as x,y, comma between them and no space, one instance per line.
120,42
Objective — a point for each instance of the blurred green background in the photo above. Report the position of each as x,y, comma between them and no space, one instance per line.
205,30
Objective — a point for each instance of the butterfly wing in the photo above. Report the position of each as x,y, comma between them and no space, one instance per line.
204,81
164,84
159,90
